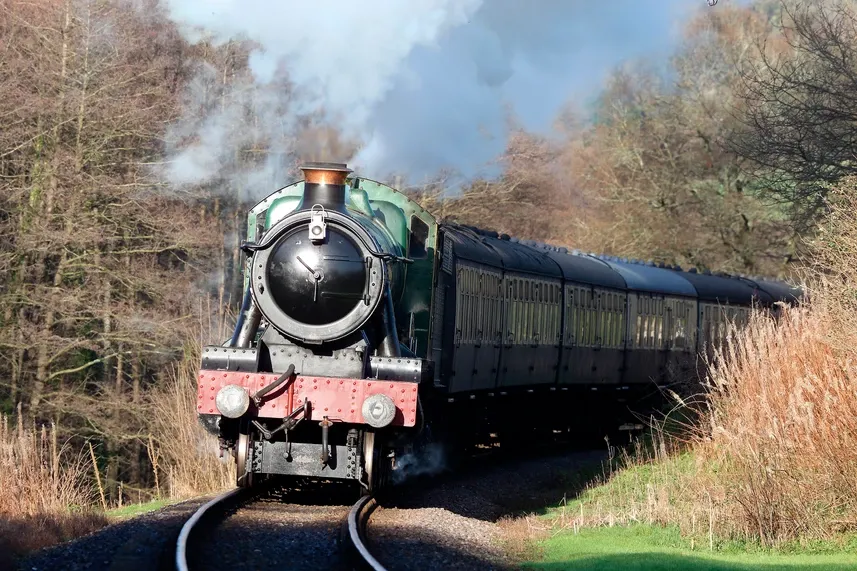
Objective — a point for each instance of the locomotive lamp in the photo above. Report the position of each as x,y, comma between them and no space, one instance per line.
378,410
232,401
317,227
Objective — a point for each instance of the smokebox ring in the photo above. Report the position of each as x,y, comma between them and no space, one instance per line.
305,332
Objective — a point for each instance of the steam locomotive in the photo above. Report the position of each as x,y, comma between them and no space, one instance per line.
368,329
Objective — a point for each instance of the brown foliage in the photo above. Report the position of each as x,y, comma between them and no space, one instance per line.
652,177
667,186
102,270
784,402
41,481
783,415
189,454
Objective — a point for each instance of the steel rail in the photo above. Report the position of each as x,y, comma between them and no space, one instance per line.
189,526
358,517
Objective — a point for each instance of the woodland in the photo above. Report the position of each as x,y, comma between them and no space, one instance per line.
111,276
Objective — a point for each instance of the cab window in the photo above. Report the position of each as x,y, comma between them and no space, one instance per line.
418,239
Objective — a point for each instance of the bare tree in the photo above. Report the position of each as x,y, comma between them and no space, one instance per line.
666,185
102,270
798,128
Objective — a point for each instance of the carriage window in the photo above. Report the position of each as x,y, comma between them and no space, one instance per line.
572,322
645,334
418,239
606,324
471,305
611,320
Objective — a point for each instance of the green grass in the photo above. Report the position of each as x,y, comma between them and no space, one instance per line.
629,483
648,548
133,510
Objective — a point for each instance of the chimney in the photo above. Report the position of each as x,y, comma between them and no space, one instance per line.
324,183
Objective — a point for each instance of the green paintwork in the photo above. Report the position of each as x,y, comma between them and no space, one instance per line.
392,212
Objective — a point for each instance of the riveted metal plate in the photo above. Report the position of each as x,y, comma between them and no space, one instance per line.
303,459
339,399
398,368
352,444
229,359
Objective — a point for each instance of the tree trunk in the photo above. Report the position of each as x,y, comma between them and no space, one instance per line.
136,448
43,359
81,108
18,362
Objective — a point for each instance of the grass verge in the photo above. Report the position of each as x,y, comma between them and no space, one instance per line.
644,547
133,510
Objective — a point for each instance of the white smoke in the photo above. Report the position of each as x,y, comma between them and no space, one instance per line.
428,460
422,85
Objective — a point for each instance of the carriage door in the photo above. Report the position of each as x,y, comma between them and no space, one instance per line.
489,330
465,329
671,355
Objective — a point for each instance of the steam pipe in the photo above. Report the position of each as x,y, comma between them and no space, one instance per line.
257,398
251,324
389,345
330,196
325,448
245,304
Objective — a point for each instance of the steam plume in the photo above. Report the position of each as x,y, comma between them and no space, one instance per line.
427,461
417,85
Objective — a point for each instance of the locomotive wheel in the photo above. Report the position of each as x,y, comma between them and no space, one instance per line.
372,462
243,478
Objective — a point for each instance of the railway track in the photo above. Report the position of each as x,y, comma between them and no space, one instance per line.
209,514
192,536
355,525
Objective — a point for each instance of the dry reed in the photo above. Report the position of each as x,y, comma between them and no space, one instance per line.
783,403
46,494
180,447
782,420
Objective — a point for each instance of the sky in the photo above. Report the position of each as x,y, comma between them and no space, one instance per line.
425,85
